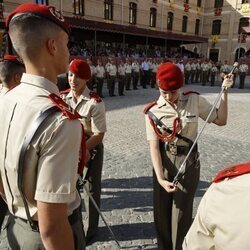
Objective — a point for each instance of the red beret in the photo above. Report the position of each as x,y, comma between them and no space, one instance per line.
170,77
80,68
47,11
12,58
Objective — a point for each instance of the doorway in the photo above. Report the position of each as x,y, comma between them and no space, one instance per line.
214,55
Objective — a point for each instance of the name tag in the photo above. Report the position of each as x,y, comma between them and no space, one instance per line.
191,116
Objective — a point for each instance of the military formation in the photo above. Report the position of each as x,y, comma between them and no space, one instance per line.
127,74
51,145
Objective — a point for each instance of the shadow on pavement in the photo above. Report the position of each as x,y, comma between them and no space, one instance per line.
139,200
137,182
127,232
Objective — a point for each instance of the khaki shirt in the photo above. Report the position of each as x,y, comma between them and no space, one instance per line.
111,69
222,220
128,68
3,90
189,108
121,70
99,71
51,161
92,112
136,67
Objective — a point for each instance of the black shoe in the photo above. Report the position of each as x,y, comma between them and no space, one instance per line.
128,89
135,88
121,95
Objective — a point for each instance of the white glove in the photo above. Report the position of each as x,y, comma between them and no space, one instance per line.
227,82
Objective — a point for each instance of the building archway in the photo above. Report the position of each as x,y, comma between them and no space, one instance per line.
240,52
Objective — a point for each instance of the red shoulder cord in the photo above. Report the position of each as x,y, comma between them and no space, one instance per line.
72,114
169,137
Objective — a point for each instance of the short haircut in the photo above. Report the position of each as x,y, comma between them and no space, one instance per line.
29,33
8,69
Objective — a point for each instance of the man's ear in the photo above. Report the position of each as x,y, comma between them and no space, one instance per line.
17,78
51,46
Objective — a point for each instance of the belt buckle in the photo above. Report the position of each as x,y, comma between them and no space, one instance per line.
173,149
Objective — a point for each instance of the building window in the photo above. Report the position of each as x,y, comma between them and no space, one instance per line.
243,23
216,27
184,23
198,3
186,1
218,3
197,26
78,7
245,1
108,9
45,2
132,13
152,20
170,21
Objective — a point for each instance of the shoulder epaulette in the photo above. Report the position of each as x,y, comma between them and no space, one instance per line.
149,106
95,96
67,110
187,92
66,91
232,172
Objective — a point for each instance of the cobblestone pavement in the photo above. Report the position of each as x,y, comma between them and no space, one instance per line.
127,171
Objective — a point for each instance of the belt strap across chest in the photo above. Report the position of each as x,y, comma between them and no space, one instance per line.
28,138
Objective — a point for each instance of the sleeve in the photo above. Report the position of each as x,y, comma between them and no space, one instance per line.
98,118
58,163
205,108
199,235
151,136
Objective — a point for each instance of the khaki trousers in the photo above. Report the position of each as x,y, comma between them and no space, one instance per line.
173,211
93,184
18,235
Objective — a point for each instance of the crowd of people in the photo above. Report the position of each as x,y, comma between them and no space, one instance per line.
51,142
129,73
106,49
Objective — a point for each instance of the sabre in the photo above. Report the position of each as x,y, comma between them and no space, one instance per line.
100,213
181,171
82,182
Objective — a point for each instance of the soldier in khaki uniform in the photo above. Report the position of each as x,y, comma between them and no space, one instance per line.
222,217
11,70
171,125
40,187
243,69
92,110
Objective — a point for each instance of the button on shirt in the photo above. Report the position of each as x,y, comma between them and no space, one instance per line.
51,161
189,108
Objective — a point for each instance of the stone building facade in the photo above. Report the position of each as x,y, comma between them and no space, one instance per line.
211,28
